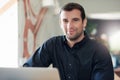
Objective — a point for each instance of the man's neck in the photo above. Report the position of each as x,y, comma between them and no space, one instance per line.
71,43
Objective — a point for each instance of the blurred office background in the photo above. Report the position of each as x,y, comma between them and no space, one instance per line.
29,23
39,20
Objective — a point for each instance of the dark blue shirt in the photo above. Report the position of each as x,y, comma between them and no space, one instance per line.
86,60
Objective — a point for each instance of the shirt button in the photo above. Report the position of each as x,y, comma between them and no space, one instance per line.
69,77
70,64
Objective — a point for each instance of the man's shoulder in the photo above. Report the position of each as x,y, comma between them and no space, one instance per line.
55,39
97,45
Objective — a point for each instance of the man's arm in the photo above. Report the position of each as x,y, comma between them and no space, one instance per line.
40,58
102,66
31,61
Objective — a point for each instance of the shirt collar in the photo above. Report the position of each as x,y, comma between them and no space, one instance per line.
83,41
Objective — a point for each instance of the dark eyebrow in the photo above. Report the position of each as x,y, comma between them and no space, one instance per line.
76,19
65,20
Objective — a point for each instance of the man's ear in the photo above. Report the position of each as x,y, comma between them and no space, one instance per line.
60,23
84,22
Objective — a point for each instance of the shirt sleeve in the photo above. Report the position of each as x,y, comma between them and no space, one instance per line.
102,65
41,58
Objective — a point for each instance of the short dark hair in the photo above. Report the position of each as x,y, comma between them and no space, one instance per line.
71,6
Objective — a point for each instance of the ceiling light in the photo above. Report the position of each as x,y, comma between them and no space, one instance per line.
107,16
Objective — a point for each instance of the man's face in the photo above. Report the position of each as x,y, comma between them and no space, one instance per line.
72,24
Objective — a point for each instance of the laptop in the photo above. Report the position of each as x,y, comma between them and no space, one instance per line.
29,74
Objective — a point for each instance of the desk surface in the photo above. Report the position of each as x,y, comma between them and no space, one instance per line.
117,73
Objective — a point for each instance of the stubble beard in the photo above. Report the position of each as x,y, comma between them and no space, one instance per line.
75,37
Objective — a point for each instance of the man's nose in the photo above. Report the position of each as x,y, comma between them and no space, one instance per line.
70,24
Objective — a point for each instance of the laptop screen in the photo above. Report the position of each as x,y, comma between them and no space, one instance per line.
29,74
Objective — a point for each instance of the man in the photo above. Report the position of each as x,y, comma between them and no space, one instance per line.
76,56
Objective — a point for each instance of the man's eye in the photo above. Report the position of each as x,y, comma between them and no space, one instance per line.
76,19
65,20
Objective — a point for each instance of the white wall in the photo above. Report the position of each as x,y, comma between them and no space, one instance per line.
8,35
48,28
96,6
